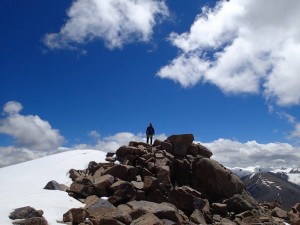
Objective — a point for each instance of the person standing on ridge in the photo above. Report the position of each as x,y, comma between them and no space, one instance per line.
150,132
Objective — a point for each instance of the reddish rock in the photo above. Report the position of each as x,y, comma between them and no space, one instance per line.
102,183
125,193
219,208
123,172
31,221
181,143
215,180
147,219
202,150
280,213
75,216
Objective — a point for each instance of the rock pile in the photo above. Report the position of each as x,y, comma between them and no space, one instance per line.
172,182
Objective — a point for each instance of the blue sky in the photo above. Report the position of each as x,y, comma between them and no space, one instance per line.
88,73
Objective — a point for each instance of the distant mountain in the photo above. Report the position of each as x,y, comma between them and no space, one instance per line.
269,184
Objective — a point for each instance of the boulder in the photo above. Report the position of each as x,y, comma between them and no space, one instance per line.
185,200
25,212
123,172
147,219
156,195
181,143
76,216
125,193
192,150
98,207
163,176
102,183
125,151
219,208
162,210
181,172
83,188
53,185
164,145
241,202
202,150
215,180
197,217
280,213
93,167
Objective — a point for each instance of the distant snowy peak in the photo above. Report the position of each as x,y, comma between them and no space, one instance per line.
290,174
295,171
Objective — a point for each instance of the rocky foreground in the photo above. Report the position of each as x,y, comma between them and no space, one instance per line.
171,182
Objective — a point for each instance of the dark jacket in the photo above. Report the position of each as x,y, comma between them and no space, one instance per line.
150,130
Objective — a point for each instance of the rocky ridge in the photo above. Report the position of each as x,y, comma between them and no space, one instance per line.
174,181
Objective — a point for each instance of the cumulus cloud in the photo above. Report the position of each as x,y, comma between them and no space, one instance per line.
116,22
237,154
242,46
29,131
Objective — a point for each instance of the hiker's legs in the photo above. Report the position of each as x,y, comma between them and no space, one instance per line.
151,139
147,139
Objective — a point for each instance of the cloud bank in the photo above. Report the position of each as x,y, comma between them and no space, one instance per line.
242,46
116,22
236,154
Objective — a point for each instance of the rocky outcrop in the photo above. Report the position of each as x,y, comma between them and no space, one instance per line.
171,182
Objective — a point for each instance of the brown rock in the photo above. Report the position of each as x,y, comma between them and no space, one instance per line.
138,185
98,207
241,202
93,167
181,172
75,216
125,193
150,183
202,150
83,188
197,217
123,172
163,176
219,208
181,143
162,211
147,219
215,180
53,185
25,212
185,201
280,213
192,150
155,195
102,183
164,145
116,186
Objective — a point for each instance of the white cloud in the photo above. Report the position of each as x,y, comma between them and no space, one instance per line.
296,132
116,22
242,46
29,131
237,154
12,107
94,134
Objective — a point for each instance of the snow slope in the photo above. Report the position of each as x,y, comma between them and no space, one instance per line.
22,184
